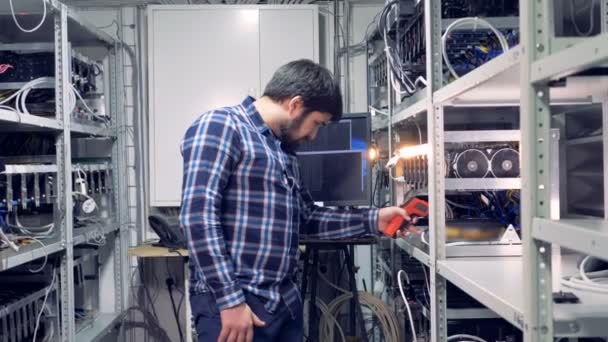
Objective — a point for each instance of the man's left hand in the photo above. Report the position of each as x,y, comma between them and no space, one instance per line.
385,215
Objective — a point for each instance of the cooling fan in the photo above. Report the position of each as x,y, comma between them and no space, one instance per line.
505,163
471,163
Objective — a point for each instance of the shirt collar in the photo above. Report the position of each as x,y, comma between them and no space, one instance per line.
254,115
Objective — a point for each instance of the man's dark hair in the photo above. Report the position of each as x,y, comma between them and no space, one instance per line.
314,83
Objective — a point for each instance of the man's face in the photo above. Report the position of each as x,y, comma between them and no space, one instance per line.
301,125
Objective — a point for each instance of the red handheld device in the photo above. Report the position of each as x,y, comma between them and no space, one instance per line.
414,207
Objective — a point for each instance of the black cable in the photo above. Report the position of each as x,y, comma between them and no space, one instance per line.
147,291
171,286
374,188
149,323
170,283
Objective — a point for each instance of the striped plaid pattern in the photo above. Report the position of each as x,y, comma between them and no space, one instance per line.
243,209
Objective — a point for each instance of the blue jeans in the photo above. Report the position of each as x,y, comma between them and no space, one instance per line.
280,326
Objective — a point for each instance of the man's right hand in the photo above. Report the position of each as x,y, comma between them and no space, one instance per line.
238,323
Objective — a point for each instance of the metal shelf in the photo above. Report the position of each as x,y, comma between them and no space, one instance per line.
481,136
100,327
12,169
497,83
417,253
589,236
589,52
25,122
19,85
409,108
494,282
81,32
93,130
467,313
482,183
498,284
84,234
33,251
501,66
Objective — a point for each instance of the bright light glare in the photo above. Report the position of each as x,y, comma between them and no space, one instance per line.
372,153
413,151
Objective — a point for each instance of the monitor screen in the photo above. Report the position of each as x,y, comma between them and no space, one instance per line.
334,166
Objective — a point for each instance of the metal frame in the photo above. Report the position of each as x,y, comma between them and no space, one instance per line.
526,71
64,19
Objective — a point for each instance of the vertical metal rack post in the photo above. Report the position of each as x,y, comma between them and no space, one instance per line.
64,172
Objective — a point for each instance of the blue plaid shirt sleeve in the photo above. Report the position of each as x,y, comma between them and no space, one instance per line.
210,150
328,223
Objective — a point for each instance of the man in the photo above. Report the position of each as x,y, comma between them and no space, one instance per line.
243,207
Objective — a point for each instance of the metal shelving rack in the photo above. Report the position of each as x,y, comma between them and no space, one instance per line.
67,28
518,289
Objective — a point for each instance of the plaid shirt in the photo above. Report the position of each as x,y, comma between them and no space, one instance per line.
243,208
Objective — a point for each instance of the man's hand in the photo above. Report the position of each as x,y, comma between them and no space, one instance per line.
237,324
385,215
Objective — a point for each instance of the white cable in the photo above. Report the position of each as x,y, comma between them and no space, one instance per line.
419,131
21,27
592,281
46,296
46,256
591,19
407,305
386,317
460,22
10,243
21,95
379,111
423,238
39,232
420,80
328,333
396,86
465,336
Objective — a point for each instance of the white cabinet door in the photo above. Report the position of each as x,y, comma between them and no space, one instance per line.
286,35
199,59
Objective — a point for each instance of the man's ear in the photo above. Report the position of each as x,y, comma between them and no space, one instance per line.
295,107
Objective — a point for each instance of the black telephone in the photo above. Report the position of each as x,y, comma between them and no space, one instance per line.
168,230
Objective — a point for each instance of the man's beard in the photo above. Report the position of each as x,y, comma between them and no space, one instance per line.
286,128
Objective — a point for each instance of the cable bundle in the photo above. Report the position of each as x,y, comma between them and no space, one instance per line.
384,314
396,66
462,22
20,98
588,281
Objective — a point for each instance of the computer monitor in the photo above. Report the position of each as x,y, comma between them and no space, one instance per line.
334,167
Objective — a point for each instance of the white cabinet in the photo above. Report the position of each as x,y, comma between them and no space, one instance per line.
205,57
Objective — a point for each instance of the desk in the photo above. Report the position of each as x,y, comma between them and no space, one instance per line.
151,251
